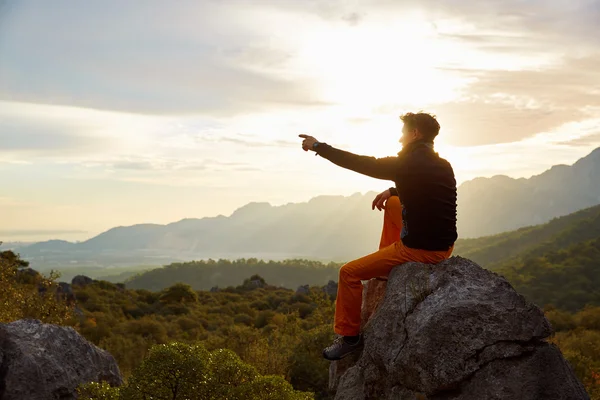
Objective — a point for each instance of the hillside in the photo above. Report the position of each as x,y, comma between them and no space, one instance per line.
204,275
568,278
494,251
492,205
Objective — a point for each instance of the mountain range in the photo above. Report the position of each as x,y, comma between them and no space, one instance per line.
328,227
487,206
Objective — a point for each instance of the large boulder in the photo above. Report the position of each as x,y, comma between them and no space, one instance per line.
40,362
454,331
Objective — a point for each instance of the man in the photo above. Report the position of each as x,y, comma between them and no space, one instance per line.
419,218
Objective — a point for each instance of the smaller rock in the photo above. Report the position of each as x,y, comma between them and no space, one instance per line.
28,276
305,289
82,280
214,289
28,271
65,292
257,283
331,289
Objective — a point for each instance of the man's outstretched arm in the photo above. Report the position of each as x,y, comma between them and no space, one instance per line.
380,168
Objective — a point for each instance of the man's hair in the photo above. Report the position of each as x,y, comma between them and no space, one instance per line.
424,123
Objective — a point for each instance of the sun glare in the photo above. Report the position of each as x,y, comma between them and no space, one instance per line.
365,66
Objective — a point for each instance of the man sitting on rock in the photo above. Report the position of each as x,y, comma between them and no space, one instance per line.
419,219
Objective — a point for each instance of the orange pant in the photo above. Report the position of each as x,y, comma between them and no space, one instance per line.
392,252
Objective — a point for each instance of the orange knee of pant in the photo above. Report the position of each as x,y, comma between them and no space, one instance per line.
346,274
393,209
393,202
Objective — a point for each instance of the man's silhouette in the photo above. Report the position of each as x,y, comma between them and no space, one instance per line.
419,219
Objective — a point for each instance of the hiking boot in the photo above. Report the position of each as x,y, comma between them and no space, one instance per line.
340,348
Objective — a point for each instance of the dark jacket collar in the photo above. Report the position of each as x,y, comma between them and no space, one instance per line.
414,145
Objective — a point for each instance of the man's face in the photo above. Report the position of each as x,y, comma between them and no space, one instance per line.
409,135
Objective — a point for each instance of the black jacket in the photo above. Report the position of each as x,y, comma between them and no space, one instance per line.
425,184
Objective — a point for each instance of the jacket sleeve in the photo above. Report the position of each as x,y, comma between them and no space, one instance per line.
380,168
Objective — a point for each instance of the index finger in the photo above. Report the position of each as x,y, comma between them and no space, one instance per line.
304,136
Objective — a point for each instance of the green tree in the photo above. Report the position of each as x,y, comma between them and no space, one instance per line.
35,298
179,293
98,391
171,372
177,371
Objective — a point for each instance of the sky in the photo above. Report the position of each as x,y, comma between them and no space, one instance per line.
114,113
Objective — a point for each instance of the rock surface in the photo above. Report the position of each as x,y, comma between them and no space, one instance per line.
40,362
304,289
81,280
454,331
331,289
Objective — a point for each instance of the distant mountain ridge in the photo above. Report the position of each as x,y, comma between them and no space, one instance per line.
488,206
334,228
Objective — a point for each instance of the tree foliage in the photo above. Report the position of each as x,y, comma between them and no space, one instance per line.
568,279
27,294
204,275
178,371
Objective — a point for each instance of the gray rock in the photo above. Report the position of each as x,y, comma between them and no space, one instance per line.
331,289
40,362
456,331
305,289
81,280
256,283
29,272
64,291
540,374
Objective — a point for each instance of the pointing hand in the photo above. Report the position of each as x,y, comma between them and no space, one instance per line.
308,142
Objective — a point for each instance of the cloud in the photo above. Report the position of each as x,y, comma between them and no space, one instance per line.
35,139
37,232
32,138
586,141
574,82
474,123
153,164
36,132
561,19
257,142
504,106
144,58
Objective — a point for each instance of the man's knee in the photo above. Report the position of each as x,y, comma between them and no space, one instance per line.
393,202
347,275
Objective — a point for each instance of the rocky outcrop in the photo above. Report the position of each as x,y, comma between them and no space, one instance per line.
28,275
65,292
40,362
331,289
304,289
454,331
81,280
